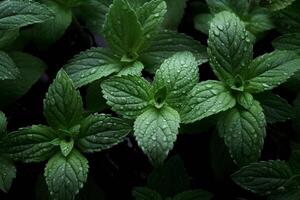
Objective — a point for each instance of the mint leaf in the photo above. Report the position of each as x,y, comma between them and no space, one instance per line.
288,42
123,40
63,104
31,68
194,194
229,47
174,14
275,108
144,193
179,74
50,31
245,99
127,95
71,3
31,144
91,65
289,191
202,21
3,124
18,13
270,70
165,44
205,99
8,69
155,131
134,68
8,173
99,132
65,176
260,21
263,177
276,5
66,147
240,7
7,37
151,16
243,132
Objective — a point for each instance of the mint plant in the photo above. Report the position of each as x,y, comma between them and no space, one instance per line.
155,107
230,55
144,44
69,134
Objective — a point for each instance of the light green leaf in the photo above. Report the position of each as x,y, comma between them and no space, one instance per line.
155,131
65,176
243,132
174,14
194,194
165,44
288,42
18,13
7,37
31,68
263,177
92,65
31,144
245,99
205,99
229,46
63,107
275,108
50,31
127,95
144,193
66,147
135,68
270,70
8,173
123,40
179,74
8,69
99,132
151,16
275,5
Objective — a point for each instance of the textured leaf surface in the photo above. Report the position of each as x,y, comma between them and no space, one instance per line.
179,74
229,47
31,144
18,13
243,132
156,131
174,14
263,176
144,193
8,69
63,104
92,65
166,43
205,99
127,95
7,37
65,176
276,5
288,42
99,132
8,173
270,70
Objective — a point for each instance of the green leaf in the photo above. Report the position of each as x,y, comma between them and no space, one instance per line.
66,147
134,68
275,108
18,13
151,16
288,42
289,191
229,47
155,131
123,40
240,7
179,74
50,31
194,194
270,70
245,99
202,21
71,3
8,69
31,144
31,68
165,44
263,177
63,104
294,161
3,124
65,176
260,21
7,37
174,14
8,173
205,99
144,193
170,178
243,132
127,95
99,132
275,5
92,65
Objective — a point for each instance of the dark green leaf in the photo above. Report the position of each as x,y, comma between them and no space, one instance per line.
8,69
143,193
288,42
8,173
193,195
